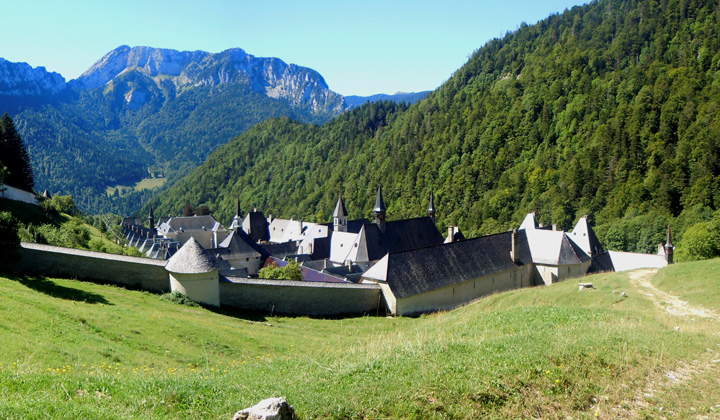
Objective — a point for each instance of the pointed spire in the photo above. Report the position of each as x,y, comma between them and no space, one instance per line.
340,210
669,248
237,209
431,207
379,203
380,210
340,216
151,219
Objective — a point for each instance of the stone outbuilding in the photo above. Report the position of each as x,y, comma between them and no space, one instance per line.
194,272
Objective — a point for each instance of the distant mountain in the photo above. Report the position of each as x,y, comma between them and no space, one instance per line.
300,86
609,109
146,110
19,79
354,101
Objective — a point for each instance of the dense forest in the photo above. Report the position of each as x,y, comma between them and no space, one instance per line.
82,141
609,109
15,168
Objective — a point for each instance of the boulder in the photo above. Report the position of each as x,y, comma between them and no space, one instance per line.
268,409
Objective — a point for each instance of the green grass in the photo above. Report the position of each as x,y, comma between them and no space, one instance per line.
29,213
698,282
143,184
78,350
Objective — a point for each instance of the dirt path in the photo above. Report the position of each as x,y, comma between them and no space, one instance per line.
671,304
707,363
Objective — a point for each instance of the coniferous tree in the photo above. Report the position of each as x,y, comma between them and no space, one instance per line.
14,156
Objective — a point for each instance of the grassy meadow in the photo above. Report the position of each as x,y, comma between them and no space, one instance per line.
143,184
71,349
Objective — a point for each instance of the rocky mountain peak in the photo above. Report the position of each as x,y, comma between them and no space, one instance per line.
301,86
20,79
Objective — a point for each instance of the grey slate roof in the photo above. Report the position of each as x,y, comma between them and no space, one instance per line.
280,250
401,235
238,244
423,270
192,258
175,224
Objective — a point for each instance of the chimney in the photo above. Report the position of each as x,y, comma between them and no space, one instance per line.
554,226
515,246
451,233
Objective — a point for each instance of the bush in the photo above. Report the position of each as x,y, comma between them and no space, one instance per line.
700,242
179,298
290,272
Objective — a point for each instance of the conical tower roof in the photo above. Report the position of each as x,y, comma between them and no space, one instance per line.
379,203
340,210
192,258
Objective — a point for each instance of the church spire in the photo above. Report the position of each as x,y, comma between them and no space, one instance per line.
151,219
669,248
380,210
340,216
431,207
236,222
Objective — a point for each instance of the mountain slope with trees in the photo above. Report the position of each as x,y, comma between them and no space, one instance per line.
610,109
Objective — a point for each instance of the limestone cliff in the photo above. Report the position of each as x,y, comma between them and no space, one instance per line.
20,79
300,86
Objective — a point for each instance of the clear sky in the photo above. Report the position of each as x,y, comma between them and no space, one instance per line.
360,47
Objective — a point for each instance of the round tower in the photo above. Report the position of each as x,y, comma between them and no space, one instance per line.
194,272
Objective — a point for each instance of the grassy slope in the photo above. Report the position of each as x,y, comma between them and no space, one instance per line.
77,350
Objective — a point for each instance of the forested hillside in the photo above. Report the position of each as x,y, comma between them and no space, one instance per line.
609,109
144,111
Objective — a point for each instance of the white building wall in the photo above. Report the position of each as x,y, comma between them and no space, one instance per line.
202,287
462,293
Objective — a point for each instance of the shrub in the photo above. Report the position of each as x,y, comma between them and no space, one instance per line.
179,298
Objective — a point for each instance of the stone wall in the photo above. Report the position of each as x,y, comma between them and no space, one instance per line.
300,298
17,194
131,272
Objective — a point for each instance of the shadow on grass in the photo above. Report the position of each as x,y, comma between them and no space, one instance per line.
48,287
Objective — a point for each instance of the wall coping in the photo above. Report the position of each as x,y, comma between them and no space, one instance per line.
92,254
295,283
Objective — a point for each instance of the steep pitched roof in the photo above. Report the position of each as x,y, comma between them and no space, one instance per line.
529,222
417,271
192,258
187,223
400,235
237,244
553,247
583,235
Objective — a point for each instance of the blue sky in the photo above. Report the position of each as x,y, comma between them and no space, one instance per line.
360,47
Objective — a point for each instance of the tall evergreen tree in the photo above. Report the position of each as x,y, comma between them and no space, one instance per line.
14,156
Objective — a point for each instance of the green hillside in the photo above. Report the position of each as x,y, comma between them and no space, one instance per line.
70,349
608,109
